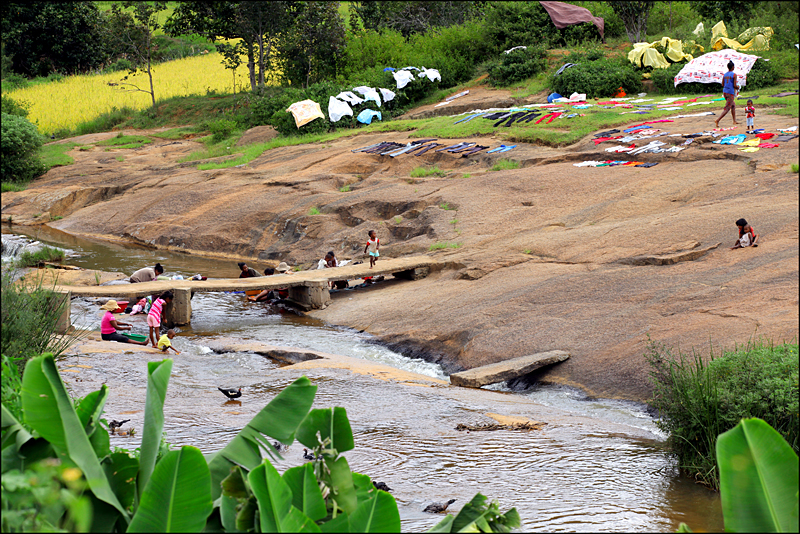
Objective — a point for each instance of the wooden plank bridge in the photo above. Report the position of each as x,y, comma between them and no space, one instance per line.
307,289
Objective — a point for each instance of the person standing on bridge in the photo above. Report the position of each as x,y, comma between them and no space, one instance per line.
247,272
147,274
154,316
373,245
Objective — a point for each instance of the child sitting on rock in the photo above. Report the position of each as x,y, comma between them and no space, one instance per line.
747,236
165,342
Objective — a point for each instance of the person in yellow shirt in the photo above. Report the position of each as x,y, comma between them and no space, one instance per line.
164,342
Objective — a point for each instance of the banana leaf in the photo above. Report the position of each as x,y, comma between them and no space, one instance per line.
330,423
344,492
91,408
306,495
758,479
177,497
364,488
278,419
49,410
444,525
157,381
121,471
477,516
275,502
339,524
378,514
14,437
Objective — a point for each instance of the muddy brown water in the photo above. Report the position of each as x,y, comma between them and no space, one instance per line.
597,465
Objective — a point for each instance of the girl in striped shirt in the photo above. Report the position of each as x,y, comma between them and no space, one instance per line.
154,317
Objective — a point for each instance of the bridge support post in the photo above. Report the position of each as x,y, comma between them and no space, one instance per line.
179,311
311,295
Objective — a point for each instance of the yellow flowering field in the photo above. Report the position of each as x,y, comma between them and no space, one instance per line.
81,98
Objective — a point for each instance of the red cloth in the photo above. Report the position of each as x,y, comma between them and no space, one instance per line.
564,15
765,136
601,139
685,101
768,145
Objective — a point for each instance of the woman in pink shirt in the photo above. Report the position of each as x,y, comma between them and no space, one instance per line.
109,325
154,317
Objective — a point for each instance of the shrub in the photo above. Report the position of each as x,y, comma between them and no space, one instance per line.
698,400
12,107
598,79
45,254
518,65
20,142
221,129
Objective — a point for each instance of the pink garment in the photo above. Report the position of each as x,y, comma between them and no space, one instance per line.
105,324
563,15
155,310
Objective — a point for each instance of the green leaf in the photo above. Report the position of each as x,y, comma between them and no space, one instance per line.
246,518
330,423
91,408
477,516
683,528
278,419
379,514
14,437
364,488
306,495
121,471
177,497
100,443
340,524
49,410
157,381
758,475
275,502
235,484
227,512
342,481
444,525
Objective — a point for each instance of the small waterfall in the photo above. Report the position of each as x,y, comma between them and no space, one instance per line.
13,246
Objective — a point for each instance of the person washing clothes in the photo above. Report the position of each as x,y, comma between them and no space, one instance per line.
154,316
165,342
747,236
147,274
109,325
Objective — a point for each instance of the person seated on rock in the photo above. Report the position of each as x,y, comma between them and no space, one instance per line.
267,294
331,261
283,268
747,236
109,325
247,272
147,274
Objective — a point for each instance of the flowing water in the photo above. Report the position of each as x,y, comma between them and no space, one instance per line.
597,465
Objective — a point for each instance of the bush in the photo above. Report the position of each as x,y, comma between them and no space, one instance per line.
20,141
12,107
221,129
518,65
598,79
698,401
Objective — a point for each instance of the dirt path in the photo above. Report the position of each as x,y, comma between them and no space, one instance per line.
546,256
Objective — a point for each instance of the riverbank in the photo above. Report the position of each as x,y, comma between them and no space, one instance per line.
546,256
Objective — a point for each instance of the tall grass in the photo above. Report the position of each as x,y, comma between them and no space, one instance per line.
699,400
46,253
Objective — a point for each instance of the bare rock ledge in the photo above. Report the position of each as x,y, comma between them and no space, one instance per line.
506,370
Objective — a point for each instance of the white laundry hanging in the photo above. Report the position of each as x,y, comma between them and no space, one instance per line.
338,109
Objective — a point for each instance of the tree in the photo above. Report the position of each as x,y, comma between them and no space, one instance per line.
728,10
137,36
20,143
416,16
313,46
258,24
634,15
45,37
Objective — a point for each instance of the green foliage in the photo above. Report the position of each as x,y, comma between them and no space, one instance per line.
422,172
727,10
221,129
443,245
505,165
20,142
45,37
510,24
411,17
634,14
12,107
518,65
758,479
314,211
46,253
698,400
598,79
12,385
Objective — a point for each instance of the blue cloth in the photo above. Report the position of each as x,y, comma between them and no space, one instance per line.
366,116
727,83
636,128
552,97
388,69
731,139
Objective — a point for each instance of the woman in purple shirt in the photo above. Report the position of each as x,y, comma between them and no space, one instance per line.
729,89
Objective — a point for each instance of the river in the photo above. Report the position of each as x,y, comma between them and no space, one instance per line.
598,465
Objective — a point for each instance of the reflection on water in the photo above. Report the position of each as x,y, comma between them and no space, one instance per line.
570,476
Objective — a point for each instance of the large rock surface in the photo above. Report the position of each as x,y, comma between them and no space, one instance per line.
593,261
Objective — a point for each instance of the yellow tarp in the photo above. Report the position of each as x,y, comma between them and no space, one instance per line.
647,55
758,38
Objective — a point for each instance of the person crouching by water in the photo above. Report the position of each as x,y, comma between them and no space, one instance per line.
165,342
147,274
109,325
154,316
267,294
247,272
747,236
